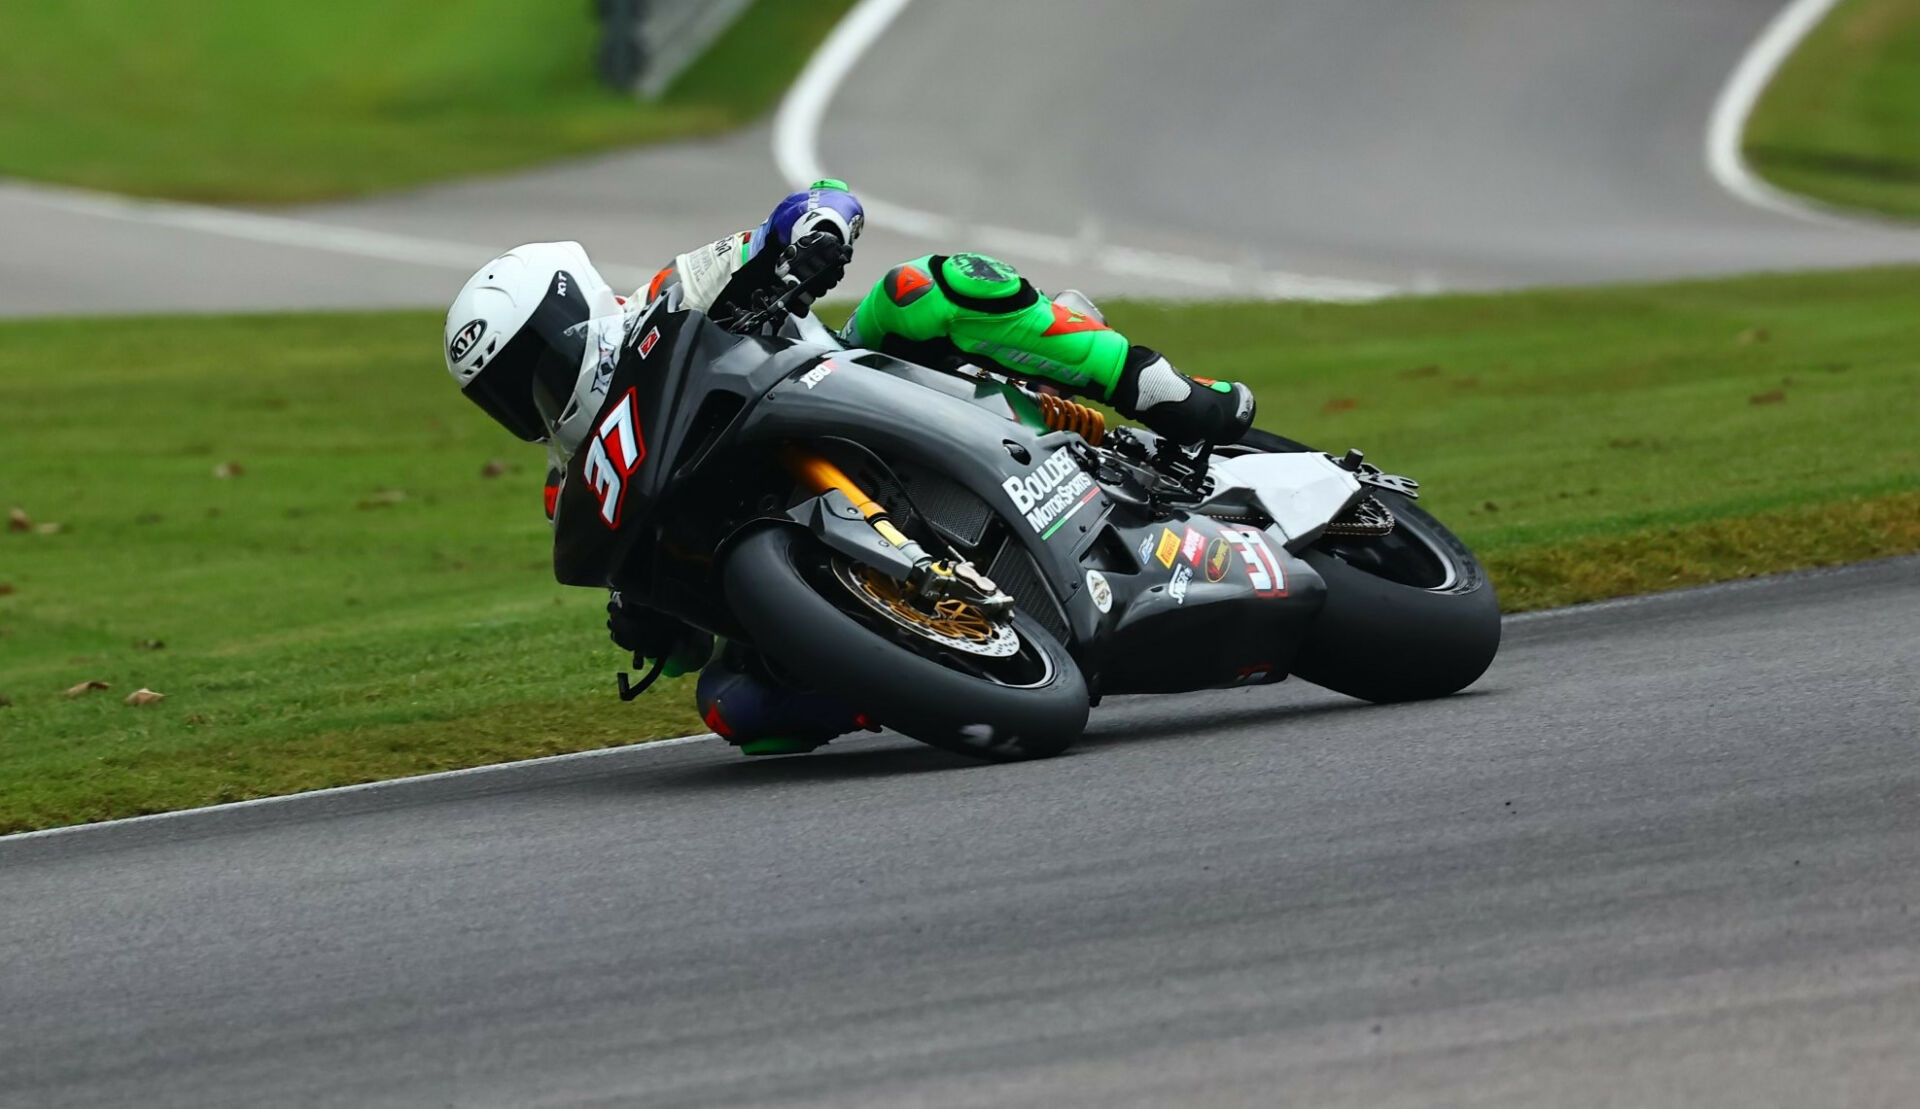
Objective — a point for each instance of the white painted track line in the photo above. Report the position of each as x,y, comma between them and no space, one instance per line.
408,783
796,141
260,227
252,226
1727,127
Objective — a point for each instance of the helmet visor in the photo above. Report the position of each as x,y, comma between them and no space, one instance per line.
536,368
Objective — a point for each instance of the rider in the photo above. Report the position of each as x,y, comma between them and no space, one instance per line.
516,344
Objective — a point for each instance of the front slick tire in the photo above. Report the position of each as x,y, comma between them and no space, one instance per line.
770,578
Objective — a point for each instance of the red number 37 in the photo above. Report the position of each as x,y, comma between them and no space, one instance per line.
612,457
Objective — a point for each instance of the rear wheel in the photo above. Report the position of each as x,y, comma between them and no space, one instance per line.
947,675
1409,615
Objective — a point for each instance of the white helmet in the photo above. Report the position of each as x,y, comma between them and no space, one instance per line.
516,338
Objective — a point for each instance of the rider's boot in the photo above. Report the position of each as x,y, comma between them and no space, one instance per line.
1185,409
745,706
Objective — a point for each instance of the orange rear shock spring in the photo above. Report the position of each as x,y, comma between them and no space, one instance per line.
1062,414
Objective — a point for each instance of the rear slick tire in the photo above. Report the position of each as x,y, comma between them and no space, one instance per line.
1431,634
820,644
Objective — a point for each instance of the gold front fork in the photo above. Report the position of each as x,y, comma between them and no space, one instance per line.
931,579
820,475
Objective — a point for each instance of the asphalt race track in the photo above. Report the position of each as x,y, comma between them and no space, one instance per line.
1464,144
1665,852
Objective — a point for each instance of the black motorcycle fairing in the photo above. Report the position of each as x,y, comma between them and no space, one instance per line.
679,383
1156,636
880,402
1185,621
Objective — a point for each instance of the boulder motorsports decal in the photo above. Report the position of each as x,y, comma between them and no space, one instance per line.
1050,495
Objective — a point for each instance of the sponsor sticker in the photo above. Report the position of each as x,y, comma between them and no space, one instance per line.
1219,559
1100,592
1050,495
1192,545
816,375
465,340
1169,547
906,284
1177,584
1146,549
646,344
1263,569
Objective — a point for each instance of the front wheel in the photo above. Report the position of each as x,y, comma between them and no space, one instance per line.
999,691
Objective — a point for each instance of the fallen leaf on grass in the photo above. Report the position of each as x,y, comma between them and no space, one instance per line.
6,589
87,687
1340,404
229,469
1771,396
1428,370
493,469
18,520
385,498
150,645
6,703
1753,335
145,696
1491,507
49,529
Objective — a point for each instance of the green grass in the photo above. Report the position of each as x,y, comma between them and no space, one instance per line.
360,601
238,100
1841,122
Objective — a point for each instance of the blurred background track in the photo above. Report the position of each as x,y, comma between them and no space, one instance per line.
1470,144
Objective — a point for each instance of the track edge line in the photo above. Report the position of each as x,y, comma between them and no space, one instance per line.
796,154
506,771
426,783
1733,107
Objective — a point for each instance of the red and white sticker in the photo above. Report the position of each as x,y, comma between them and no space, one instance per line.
1193,546
646,344
615,453
1263,568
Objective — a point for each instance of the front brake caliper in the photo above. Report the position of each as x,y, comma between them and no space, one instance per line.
941,581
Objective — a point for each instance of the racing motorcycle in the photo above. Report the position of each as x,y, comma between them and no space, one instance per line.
975,565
